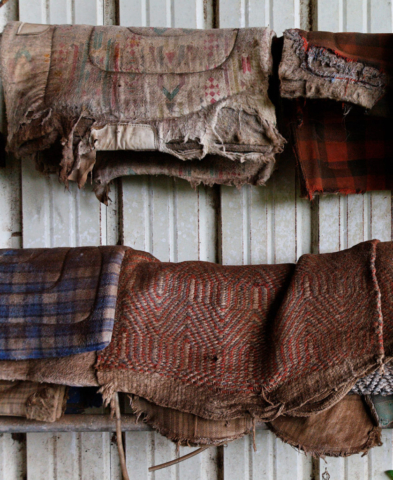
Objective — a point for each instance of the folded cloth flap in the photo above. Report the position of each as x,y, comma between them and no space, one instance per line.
171,90
345,429
160,50
329,294
73,371
124,137
348,67
211,170
69,309
186,428
35,401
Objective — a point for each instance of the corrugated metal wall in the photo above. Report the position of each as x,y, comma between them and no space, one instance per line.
175,222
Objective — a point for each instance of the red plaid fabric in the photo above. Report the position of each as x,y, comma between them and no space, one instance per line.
339,153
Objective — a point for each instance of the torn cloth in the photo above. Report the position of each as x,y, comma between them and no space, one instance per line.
341,152
347,428
211,170
35,401
57,302
188,93
347,67
219,341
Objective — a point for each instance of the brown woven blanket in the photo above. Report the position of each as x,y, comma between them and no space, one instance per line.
73,90
221,342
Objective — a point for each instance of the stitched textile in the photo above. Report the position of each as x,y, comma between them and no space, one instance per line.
185,92
73,371
57,302
345,429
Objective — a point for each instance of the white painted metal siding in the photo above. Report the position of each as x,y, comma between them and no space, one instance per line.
175,222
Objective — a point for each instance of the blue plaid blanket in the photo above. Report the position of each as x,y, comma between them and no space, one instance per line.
57,302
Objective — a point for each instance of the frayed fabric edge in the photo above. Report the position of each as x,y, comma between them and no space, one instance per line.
179,439
299,79
79,159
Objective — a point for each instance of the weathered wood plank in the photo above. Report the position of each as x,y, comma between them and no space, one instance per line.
67,456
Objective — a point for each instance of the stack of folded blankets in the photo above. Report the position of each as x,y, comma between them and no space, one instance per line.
203,350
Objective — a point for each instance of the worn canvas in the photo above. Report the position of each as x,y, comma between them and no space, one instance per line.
346,67
212,169
73,370
347,428
57,302
185,92
222,341
188,429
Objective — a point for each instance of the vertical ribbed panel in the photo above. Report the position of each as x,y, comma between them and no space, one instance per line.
57,216
10,187
344,221
52,217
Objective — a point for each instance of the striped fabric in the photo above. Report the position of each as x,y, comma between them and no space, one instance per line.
36,401
57,302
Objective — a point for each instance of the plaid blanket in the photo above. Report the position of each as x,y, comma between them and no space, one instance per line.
341,153
57,302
